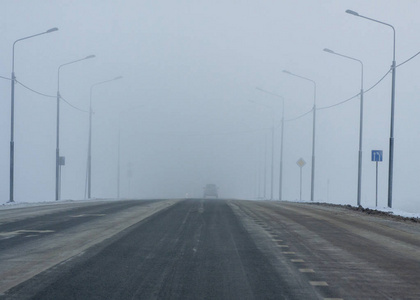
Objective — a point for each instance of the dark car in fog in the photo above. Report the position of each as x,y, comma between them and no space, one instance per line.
210,190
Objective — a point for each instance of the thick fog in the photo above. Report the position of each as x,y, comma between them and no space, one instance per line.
195,103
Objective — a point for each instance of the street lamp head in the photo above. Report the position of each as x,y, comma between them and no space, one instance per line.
352,12
329,50
51,30
90,56
118,77
287,72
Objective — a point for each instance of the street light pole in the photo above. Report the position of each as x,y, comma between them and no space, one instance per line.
281,154
119,158
57,152
281,143
313,132
391,136
89,167
272,156
272,162
359,173
12,110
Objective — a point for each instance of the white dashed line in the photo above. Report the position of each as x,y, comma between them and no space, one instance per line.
318,283
13,233
88,215
306,271
297,260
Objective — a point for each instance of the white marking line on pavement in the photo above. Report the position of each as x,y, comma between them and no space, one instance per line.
276,240
306,271
88,215
283,246
318,283
297,260
290,252
23,231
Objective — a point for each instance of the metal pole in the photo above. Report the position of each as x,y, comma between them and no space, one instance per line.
376,184
359,169
313,133
118,170
89,172
281,146
272,162
300,184
57,151
59,184
391,137
89,166
281,156
313,155
57,159
12,112
359,173
265,168
12,141
259,178
328,190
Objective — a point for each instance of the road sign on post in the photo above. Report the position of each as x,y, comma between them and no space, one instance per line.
301,162
377,157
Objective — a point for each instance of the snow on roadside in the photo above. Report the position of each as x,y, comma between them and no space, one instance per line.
396,212
390,211
12,205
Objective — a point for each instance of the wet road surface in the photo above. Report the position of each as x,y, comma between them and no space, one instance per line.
218,249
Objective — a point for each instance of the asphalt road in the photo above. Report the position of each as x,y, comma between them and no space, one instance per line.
208,249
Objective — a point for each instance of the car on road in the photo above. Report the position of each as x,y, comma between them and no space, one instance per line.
210,190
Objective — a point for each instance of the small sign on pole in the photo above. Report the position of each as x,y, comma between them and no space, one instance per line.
377,157
301,163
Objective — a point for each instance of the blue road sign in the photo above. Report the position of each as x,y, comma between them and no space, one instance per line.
376,155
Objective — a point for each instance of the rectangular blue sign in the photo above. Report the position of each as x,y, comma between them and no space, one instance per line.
376,155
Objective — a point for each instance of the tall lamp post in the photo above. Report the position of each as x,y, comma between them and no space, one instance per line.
313,132
281,153
359,173
391,136
281,143
89,167
272,155
12,117
119,147
57,156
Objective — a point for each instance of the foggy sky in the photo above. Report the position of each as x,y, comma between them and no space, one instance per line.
187,107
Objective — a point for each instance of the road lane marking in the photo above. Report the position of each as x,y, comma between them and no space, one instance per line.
306,271
23,231
283,246
290,252
88,215
318,283
297,260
